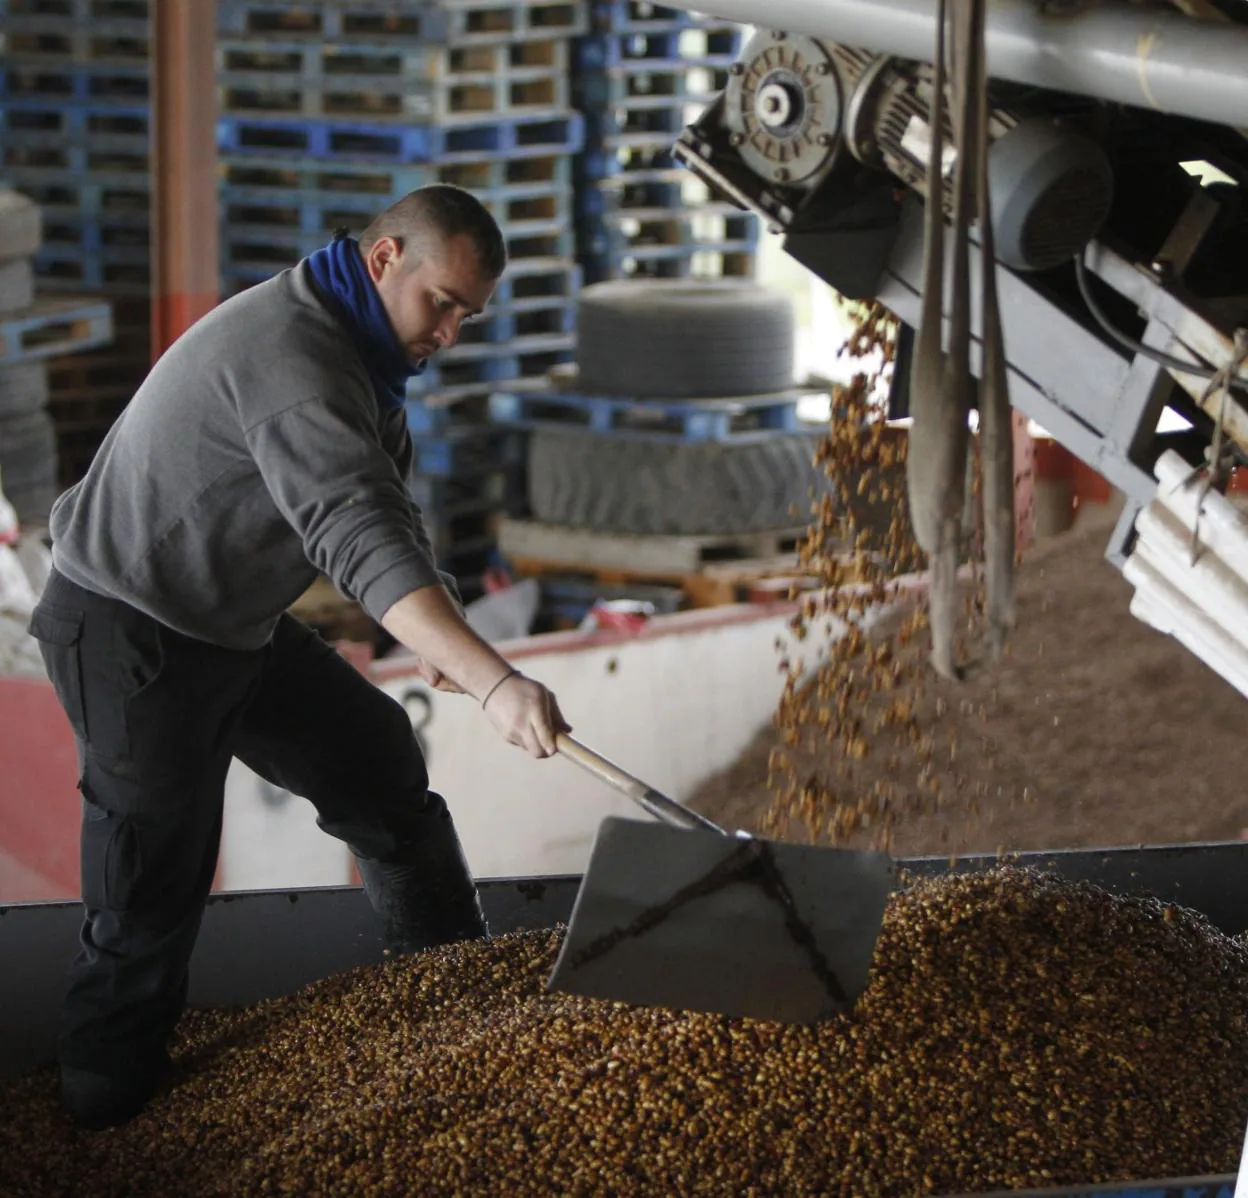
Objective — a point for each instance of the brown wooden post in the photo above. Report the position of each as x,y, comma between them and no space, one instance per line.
184,167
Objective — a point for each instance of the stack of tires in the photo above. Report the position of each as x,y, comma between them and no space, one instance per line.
677,340
28,466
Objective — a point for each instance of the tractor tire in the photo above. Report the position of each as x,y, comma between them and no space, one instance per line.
28,465
17,286
23,389
21,226
682,339
583,480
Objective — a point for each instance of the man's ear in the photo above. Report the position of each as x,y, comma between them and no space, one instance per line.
384,251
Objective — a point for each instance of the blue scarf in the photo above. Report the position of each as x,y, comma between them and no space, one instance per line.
342,279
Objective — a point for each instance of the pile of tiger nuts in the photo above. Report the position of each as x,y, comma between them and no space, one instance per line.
1018,1031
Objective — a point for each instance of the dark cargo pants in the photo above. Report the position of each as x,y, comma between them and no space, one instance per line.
157,717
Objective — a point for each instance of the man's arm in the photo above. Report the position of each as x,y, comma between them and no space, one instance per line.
427,621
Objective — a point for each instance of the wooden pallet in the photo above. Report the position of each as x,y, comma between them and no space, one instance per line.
711,570
581,547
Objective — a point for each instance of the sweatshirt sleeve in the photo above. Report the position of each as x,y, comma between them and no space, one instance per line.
331,478
406,458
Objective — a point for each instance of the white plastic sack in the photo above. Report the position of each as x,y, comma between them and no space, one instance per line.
8,519
24,566
36,561
19,651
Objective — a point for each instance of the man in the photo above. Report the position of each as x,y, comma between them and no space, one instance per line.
266,445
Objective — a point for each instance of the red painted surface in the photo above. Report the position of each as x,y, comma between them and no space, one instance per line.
39,800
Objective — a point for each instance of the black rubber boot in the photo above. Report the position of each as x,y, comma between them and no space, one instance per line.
99,1100
427,896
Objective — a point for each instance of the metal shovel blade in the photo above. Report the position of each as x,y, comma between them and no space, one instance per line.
733,925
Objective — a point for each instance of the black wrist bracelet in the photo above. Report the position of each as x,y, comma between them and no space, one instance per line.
512,673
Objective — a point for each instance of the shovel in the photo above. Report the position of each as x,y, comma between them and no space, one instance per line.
683,914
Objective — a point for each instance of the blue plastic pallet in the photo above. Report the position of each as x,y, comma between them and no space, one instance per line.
60,194
33,15
615,159
687,83
58,41
638,16
54,327
326,21
490,489
664,232
530,135
748,418
467,452
48,117
379,183
432,419
537,280
98,84
522,359
520,211
517,347
462,24
377,83
632,16
557,318
717,45
68,271
704,261
463,532
602,198
74,161
91,232
634,123
270,61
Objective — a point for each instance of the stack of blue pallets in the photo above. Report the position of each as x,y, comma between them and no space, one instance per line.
641,74
332,109
74,128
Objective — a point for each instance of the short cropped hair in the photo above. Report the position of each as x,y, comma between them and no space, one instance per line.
444,211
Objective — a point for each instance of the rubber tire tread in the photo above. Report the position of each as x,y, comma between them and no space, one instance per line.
23,388
21,226
17,286
584,480
684,339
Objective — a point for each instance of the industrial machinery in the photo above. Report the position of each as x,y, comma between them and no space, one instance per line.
1116,164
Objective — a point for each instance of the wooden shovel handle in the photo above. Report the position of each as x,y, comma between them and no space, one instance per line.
653,801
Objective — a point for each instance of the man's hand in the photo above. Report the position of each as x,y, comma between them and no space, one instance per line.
436,679
526,714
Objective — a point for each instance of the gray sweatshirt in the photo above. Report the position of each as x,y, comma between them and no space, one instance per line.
253,457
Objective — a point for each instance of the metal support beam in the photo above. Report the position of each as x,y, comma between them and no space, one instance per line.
184,167
1122,539
1122,455
1124,53
1192,334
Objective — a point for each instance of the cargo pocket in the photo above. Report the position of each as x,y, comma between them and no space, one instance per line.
59,633
111,846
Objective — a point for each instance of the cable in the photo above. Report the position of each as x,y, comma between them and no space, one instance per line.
1170,361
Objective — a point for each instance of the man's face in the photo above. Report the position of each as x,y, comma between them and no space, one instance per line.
428,295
